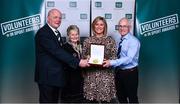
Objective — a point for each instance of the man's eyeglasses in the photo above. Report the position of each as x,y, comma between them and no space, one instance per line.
123,26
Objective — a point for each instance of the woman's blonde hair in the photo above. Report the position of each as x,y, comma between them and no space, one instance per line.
95,21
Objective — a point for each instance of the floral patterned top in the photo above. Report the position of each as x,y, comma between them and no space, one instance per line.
99,82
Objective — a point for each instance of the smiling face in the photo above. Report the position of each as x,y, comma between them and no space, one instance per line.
99,26
73,36
124,27
54,18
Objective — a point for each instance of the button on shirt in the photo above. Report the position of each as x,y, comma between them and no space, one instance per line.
129,53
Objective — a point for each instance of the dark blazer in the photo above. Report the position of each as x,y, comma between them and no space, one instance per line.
51,58
73,91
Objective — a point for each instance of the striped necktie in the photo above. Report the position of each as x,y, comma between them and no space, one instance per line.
119,48
59,37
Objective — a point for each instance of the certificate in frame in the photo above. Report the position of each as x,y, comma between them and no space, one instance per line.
96,54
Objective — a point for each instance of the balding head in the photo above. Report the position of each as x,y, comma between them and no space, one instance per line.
54,18
124,26
125,20
52,11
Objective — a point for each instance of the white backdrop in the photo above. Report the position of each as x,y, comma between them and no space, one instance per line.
82,13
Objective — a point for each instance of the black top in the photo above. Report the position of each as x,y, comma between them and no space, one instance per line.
73,91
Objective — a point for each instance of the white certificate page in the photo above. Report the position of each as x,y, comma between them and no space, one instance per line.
97,54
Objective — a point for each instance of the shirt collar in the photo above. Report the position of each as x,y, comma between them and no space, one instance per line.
126,36
53,29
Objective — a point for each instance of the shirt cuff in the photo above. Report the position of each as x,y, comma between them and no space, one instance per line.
112,63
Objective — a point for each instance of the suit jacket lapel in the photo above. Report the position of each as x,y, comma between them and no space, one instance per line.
50,31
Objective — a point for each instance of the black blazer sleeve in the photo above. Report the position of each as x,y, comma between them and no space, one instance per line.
49,43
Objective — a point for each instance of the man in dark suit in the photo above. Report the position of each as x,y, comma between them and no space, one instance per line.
50,58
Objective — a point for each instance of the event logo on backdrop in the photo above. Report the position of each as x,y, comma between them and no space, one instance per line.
79,12
82,13
75,12
156,26
21,25
113,11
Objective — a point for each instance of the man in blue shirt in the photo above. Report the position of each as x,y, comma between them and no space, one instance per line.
126,65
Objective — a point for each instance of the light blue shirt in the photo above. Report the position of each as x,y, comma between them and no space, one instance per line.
129,54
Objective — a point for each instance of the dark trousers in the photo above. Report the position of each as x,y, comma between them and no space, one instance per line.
49,94
73,98
127,84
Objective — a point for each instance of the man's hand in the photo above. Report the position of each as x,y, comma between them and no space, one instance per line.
106,63
84,63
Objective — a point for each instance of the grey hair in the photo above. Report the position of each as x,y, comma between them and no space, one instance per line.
72,27
124,18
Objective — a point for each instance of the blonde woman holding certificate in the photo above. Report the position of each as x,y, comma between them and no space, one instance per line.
99,85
